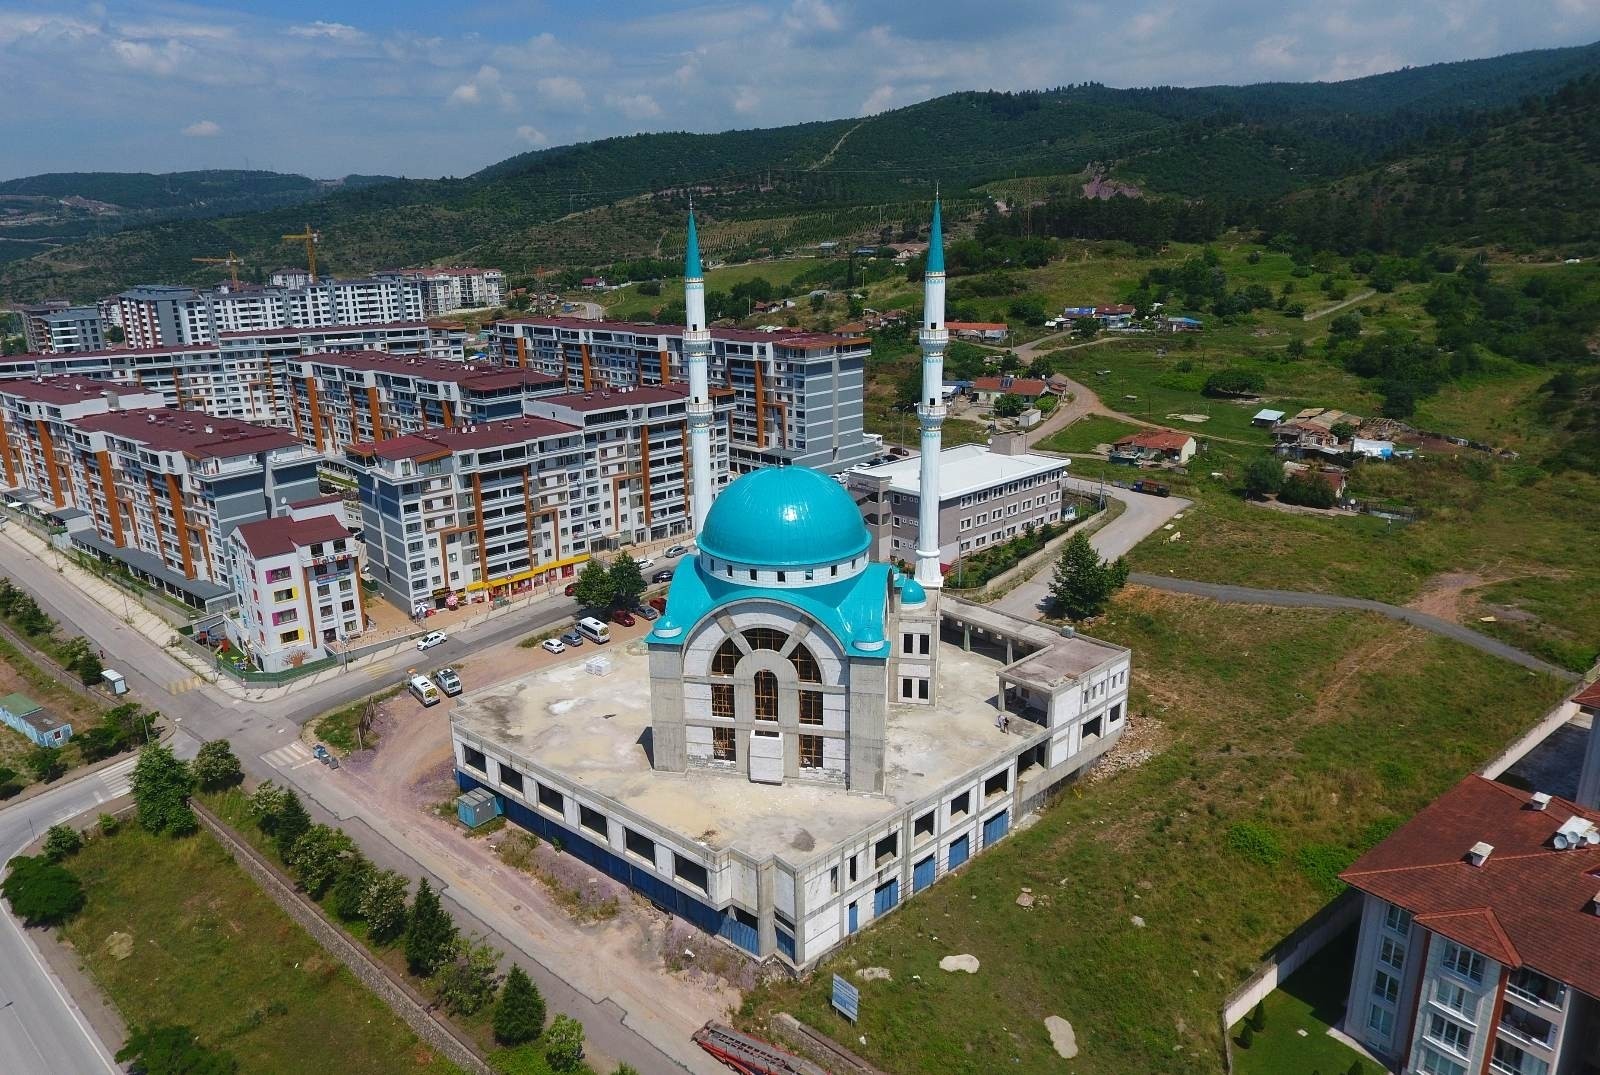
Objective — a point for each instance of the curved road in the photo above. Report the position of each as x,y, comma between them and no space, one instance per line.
1247,595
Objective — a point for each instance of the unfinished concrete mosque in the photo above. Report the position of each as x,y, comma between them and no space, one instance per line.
807,738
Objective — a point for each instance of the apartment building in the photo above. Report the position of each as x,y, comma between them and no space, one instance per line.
57,327
240,376
798,397
340,399
298,579
500,506
1479,948
36,423
444,290
987,495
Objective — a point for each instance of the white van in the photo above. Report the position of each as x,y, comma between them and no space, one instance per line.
424,690
594,630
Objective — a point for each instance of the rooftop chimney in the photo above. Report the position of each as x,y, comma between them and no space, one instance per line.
1479,853
1540,800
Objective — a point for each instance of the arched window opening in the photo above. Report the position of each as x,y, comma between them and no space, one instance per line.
765,638
726,658
805,665
766,685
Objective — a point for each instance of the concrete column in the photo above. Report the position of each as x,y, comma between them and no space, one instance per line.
766,903
966,637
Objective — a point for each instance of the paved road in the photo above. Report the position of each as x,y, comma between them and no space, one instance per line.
1294,599
48,1038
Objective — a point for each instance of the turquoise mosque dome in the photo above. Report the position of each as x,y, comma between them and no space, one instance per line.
784,517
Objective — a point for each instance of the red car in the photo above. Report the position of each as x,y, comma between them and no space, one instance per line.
659,604
572,588
622,618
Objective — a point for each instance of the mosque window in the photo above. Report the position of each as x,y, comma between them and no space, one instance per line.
811,752
766,695
722,700
805,665
726,658
765,638
722,748
810,707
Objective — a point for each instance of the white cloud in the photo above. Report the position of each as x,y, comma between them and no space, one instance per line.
336,31
204,128
561,89
163,58
811,15
878,100
484,87
635,105
746,100
532,135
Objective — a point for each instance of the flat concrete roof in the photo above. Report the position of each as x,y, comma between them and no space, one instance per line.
966,468
592,730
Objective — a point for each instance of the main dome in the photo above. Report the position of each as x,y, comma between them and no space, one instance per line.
784,517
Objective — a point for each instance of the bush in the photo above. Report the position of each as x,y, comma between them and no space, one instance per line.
41,892
519,1015
173,1050
1258,1017
383,905
1263,474
1246,1038
1322,864
45,764
564,1044
1083,583
1234,383
1255,842
319,856
468,980
430,933
109,824
161,785
61,841
1307,490
216,767
349,890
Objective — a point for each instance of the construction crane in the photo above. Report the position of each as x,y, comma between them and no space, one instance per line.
311,239
232,261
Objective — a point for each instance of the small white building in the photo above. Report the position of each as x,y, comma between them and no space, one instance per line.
298,578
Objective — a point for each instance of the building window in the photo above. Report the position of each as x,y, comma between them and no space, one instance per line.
810,707
998,784
922,828
1397,919
511,778
765,638
1463,961
805,665
886,849
286,594
1380,1021
1508,1057
726,658
961,805
1453,1036
922,689
1391,954
473,758
690,873
722,748
1531,985
722,700
639,845
289,636
551,799
1386,987
766,695
1455,997
811,752
1434,1064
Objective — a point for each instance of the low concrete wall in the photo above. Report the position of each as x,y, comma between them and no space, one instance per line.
1035,562
1287,957
405,1001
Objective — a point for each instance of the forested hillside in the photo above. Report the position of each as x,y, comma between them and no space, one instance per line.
1235,147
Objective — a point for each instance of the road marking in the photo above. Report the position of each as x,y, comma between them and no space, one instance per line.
292,756
180,686
379,672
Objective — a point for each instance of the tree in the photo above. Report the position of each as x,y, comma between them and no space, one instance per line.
173,1050
519,1015
1263,474
41,892
1234,383
1083,583
1085,328
1258,1017
78,656
1247,1036
563,1044
216,767
383,905
266,803
627,581
161,784
318,856
45,763
1009,405
9,785
289,824
62,841
350,887
593,588
468,980
1307,490
430,933
115,335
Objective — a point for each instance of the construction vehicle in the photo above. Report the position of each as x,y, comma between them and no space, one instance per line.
311,239
232,261
750,1056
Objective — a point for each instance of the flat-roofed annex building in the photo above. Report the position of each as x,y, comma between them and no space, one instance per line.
987,495
798,397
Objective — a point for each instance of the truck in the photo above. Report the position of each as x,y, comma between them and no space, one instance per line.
1152,488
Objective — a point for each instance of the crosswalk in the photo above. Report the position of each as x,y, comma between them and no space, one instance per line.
290,756
181,686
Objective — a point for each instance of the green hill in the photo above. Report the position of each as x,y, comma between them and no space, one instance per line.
1245,144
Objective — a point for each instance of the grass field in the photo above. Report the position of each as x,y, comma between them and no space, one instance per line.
1315,726
628,304
175,932
1087,434
1312,999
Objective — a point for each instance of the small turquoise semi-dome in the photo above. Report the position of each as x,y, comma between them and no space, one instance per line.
784,517
911,591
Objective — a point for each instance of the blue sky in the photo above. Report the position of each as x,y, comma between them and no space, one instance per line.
328,87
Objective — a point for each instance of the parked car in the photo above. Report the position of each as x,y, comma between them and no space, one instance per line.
448,681
431,639
645,563
553,645
675,550
572,588
661,576
658,603
320,752
622,618
572,637
645,612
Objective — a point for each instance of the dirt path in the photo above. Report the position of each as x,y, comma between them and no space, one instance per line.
828,157
1326,310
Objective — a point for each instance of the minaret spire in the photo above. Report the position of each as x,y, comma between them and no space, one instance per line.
930,407
696,352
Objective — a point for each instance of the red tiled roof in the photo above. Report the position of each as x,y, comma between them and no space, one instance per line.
282,534
1589,697
975,326
1160,440
802,340
443,442
1117,308
66,389
1527,905
177,349
194,433
617,397
468,375
1020,386
322,330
